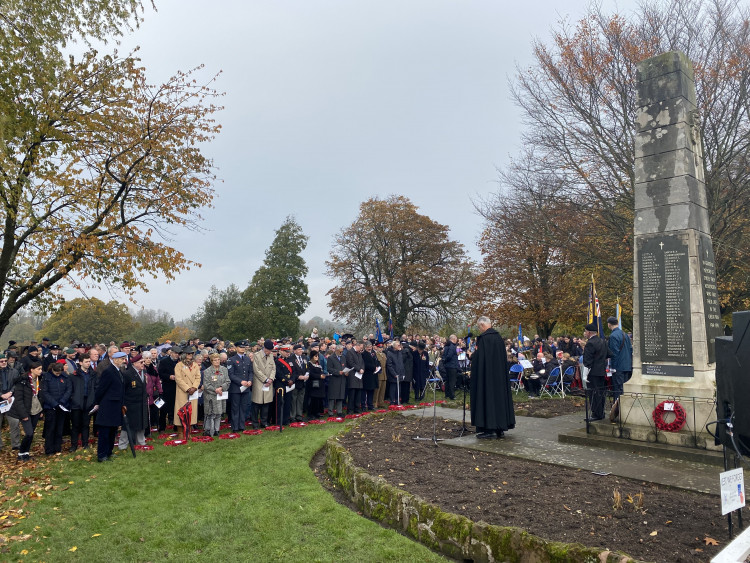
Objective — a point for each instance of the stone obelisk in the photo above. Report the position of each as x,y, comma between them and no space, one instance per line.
675,301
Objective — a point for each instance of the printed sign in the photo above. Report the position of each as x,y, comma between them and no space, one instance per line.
732,490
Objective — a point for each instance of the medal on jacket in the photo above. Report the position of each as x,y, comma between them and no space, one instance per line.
132,384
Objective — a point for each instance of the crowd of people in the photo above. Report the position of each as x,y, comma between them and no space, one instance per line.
97,390
599,365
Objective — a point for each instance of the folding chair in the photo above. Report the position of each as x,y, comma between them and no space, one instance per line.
553,386
515,377
567,384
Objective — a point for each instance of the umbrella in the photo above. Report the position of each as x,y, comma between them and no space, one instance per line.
128,431
185,414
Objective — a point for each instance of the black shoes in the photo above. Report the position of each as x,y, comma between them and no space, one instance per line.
594,418
490,435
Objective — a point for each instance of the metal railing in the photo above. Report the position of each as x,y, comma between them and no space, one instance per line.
642,407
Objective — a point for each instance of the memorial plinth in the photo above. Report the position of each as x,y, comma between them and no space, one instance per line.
675,302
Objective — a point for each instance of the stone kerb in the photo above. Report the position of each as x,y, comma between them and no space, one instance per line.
450,534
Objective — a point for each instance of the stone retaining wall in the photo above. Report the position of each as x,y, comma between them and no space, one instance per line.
450,534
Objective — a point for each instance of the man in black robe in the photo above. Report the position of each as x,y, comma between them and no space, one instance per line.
491,399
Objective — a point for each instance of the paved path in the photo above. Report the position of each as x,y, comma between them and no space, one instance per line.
536,439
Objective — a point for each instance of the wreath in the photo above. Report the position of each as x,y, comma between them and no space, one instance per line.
679,417
201,439
175,442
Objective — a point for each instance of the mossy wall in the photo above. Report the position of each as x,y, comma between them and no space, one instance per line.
451,534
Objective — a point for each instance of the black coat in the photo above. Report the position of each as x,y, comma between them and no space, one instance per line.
315,373
408,363
22,396
595,356
369,379
77,401
55,390
354,362
299,369
135,398
168,385
49,360
491,397
421,362
8,378
283,373
336,381
394,365
450,356
109,397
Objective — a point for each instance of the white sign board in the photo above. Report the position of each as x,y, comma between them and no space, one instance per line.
732,490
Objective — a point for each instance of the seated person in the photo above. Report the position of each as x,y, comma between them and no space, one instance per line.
534,382
567,362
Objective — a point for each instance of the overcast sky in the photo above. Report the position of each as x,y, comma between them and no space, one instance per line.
329,103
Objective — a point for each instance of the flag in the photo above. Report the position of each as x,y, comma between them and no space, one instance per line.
618,314
378,332
594,311
520,337
390,321
468,337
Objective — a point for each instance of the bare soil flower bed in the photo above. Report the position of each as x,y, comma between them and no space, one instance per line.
644,520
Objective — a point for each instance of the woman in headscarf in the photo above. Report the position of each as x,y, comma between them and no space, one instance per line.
187,376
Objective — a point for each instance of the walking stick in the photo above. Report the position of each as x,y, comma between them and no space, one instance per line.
280,408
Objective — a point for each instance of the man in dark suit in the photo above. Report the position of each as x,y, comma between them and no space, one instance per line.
135,398
52,357
356,365
595,359
336,382
282,381
109,402
240,368
299,378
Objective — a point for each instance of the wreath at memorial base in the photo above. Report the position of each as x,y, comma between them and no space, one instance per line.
679,417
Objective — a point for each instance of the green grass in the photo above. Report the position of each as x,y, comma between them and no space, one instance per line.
247,499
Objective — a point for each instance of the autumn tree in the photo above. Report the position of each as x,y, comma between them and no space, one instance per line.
528,270
177,334
97,166
89,320
579,103
392,254
277,294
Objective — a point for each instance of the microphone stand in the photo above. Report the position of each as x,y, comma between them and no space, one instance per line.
463,430
434,438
